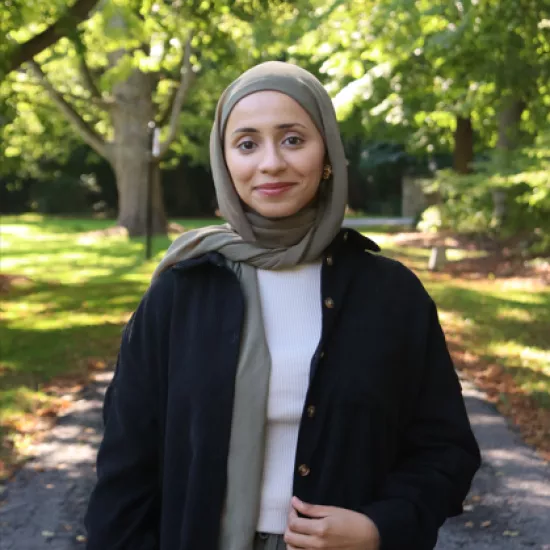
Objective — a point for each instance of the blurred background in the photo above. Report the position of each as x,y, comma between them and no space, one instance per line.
444,109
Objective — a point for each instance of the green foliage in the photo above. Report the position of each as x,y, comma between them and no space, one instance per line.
124,36
403,71
416,65
466,200
64,195
399,71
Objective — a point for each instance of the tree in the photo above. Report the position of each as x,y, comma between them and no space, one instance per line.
137,61
414,64
437,75
141,72
18,17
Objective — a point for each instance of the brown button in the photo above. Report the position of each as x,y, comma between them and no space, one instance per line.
330,261
311,411
329,302
303,470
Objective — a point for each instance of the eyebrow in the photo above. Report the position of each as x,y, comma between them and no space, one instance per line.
285,126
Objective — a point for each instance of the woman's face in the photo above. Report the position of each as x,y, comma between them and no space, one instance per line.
274,154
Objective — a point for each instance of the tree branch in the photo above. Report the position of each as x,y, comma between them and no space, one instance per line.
165,117
178,98
88,134
78,12
85,72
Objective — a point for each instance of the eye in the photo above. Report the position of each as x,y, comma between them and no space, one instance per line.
246,145
294,140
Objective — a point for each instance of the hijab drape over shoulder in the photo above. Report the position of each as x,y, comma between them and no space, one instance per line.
249,241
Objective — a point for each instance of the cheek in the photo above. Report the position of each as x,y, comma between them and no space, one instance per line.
311,165
240,168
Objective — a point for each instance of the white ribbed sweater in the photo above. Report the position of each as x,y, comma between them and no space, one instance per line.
291,311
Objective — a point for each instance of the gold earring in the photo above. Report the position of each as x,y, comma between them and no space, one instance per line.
327,171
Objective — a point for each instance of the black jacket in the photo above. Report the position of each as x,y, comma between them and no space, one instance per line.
384,429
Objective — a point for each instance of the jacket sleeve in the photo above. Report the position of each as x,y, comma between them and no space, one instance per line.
437,460
124,510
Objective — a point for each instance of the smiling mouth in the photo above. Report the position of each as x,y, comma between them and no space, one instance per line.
275,188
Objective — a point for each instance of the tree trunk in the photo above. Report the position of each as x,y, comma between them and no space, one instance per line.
438,258
508,123
463,154
464,145
509,119
130,115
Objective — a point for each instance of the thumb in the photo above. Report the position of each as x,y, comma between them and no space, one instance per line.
310,510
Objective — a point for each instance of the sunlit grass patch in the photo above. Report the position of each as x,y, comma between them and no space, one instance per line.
515,314
530,367
510,328
497,321
73,291
68,301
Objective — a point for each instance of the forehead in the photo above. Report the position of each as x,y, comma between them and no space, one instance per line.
267,108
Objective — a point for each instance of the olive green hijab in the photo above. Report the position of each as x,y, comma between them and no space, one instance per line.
249,237
249,241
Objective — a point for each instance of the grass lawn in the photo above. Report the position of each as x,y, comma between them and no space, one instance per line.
502,322
71,294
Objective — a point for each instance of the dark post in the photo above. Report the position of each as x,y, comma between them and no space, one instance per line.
149,205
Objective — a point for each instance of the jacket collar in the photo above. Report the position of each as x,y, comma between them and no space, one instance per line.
350,239
213,258
345,239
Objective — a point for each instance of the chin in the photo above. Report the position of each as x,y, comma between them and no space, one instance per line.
276,211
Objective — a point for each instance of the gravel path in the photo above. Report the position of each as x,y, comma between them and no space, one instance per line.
508,507
44,505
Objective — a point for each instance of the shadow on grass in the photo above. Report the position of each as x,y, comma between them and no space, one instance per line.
489,312
131,247
74,321
510,330
70,224
501,326
58,224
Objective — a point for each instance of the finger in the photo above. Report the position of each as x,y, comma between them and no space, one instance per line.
292,513
296,540
311,510
304,526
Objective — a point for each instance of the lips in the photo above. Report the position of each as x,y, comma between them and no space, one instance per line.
274,188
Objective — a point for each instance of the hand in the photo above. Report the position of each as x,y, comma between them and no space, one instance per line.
329,527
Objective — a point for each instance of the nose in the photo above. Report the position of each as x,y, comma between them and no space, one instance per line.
272,161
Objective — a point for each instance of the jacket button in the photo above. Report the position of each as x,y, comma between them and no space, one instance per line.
303,470
330,261
329,302
346,236
311,411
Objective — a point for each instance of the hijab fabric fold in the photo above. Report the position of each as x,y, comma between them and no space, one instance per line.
250,241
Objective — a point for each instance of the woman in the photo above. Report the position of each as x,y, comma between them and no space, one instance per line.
280,385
